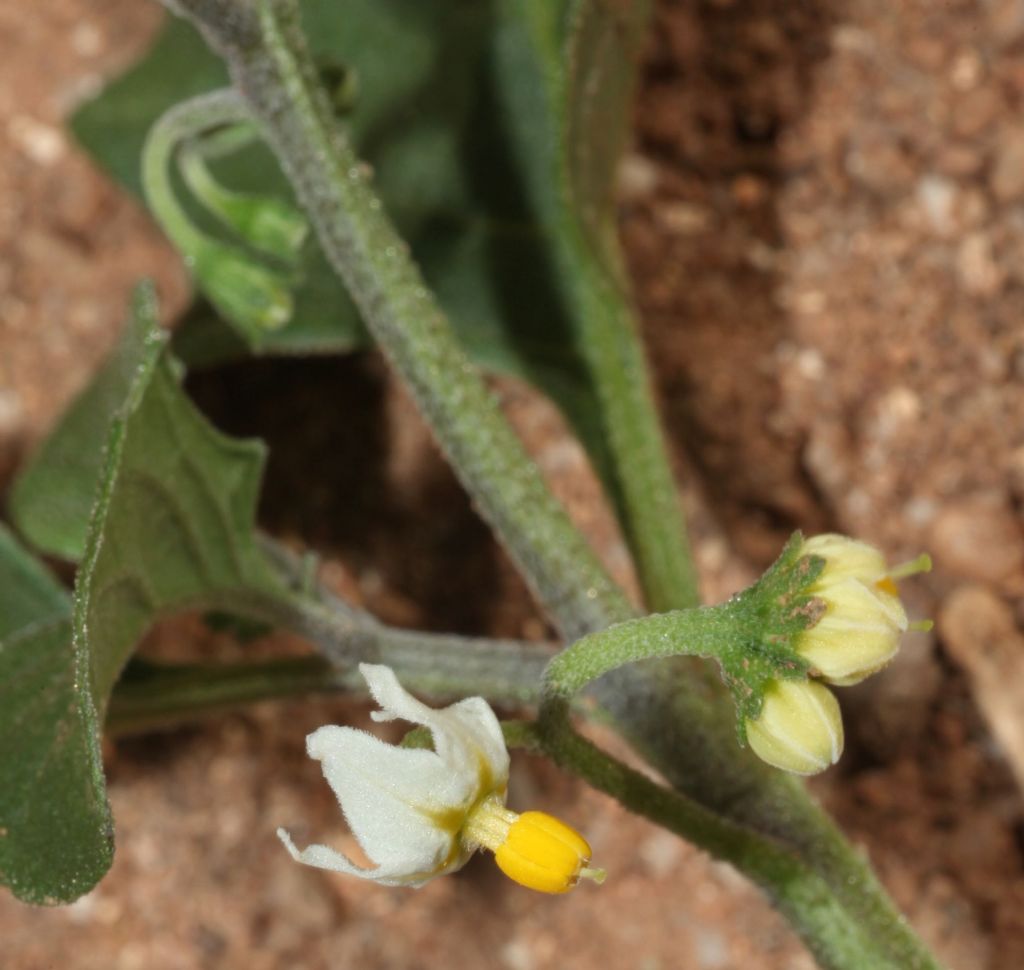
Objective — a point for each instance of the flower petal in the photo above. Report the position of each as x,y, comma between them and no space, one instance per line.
800,728
845,558
403,805
467,735
324,857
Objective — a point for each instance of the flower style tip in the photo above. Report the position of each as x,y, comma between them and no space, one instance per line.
420,813
799,729
863,620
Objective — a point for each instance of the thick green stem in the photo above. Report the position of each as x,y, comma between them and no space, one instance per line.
441,665
687,733
412,330
154,695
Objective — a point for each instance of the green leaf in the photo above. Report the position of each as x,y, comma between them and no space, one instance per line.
56,835
430,117
173,521
567,74
53,494
171,529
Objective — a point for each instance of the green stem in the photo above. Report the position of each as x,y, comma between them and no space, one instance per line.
803,896
708,631
438,664
154,695
268,224
572,193
412,330
158,695
648,497
174,126
441,665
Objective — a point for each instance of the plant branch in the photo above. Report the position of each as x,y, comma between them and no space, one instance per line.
648,497
152,696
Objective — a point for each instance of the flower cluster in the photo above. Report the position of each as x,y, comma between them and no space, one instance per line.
859,620
420,813
834,616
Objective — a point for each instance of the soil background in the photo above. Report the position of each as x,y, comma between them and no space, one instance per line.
824,214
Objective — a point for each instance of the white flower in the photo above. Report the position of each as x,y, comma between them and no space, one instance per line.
407,806
419,814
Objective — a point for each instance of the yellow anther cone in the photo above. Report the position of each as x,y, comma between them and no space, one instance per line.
544,854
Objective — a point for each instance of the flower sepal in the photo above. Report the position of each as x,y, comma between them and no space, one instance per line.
767,618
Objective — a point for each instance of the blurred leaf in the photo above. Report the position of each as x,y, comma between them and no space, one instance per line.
567,74
602,51
431,118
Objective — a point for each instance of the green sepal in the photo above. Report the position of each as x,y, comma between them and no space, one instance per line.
770,615
418,738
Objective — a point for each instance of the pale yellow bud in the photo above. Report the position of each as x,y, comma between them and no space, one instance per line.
800,728
864,619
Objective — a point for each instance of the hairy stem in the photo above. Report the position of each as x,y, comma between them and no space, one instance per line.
438,664
834,936
161,695
706,631
412,330
647,494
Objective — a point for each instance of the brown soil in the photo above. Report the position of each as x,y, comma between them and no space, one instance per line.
824,212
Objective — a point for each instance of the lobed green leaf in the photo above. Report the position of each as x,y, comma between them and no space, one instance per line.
171,529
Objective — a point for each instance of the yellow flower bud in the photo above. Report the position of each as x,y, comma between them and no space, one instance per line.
799,729
860,630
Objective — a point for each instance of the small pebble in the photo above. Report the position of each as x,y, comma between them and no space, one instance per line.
977,538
